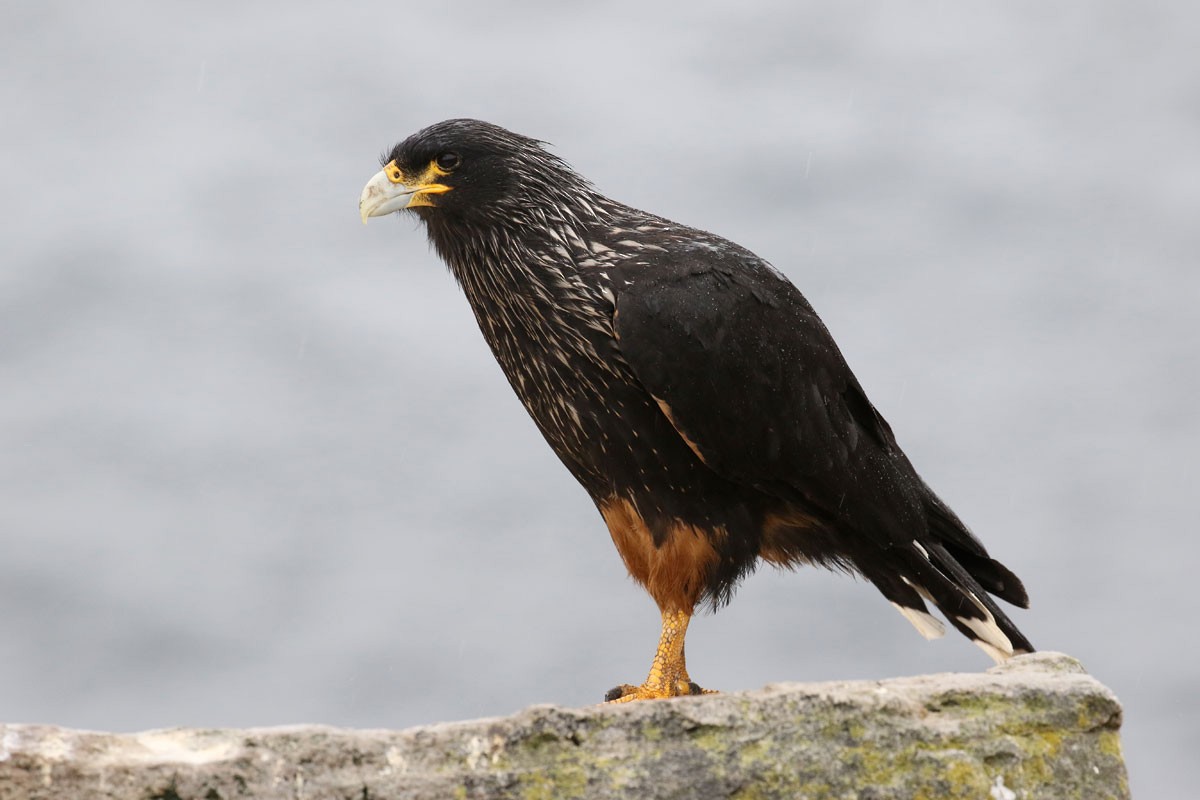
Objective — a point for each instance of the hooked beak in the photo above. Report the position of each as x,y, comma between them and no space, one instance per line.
390,190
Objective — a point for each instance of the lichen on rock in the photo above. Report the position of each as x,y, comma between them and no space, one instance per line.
1036,727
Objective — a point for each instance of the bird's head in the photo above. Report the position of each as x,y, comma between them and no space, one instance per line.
468,171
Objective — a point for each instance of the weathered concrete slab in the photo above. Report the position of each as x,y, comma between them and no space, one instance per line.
1037,727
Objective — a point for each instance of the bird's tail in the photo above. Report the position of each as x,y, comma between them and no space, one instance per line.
951,569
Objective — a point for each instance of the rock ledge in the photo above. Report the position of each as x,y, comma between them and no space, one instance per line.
1037,727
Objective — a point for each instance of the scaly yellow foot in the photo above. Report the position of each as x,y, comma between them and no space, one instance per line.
627,694
668,674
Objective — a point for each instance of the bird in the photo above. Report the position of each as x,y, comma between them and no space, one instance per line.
692,391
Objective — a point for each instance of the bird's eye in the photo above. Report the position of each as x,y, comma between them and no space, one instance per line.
447,161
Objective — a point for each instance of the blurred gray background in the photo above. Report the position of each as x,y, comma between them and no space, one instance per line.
257,465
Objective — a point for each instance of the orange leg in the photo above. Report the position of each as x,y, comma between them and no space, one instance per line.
668,674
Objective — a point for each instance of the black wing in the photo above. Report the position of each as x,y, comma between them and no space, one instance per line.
752,379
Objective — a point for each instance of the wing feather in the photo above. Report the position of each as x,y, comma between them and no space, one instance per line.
750,378
754,383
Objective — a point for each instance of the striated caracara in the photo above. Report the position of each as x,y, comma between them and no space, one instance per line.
692,391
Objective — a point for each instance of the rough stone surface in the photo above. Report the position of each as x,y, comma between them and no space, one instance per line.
1037,727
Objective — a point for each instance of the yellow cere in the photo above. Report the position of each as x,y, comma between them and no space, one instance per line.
393,173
